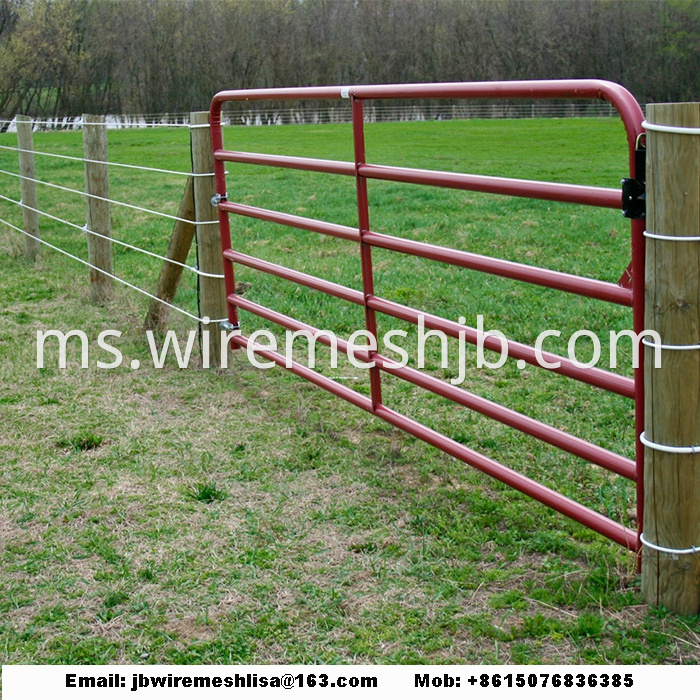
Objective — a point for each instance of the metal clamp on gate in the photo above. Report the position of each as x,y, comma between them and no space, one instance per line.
218,198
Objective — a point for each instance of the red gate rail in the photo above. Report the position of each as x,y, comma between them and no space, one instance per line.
583,286
553,191
361,171
559,438
593,376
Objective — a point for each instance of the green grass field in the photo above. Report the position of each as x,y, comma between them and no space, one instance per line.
194,516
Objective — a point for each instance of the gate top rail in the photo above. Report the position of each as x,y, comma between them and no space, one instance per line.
619,97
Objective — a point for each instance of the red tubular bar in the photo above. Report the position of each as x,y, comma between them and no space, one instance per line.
638,289
632,118
519,351
558,438
583,286
594,376
595,521
534,189
620,98
354,397
333,167
563,281
358,133
590,518
332,288
278,217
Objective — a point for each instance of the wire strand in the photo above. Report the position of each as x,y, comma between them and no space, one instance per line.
667,550
85,229
114,277
106,162
107,199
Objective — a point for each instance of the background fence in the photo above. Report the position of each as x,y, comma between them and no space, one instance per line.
275,113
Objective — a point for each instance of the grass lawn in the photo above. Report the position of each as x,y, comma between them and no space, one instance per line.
196,516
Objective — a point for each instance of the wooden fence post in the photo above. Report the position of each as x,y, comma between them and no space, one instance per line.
178,249
97,184
672,394
25,141
212,292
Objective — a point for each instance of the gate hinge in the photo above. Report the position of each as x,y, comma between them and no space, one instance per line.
228,326
217,199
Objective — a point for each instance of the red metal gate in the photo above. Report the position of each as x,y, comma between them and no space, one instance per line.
631,295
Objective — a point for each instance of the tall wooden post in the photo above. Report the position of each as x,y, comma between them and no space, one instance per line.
97,183
25,142
212,293
671,563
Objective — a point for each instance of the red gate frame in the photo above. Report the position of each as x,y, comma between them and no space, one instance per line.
632,295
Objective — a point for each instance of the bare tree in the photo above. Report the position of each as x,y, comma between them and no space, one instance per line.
61,57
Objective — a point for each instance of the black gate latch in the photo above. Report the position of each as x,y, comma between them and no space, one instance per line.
634,189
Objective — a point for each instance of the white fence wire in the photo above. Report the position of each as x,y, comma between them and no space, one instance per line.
261,115
205,319
84,229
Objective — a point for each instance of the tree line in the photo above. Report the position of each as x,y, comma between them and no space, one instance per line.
66,57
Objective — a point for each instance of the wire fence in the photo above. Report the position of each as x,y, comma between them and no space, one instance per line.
83,228
58,249
262,114
143,168
136,207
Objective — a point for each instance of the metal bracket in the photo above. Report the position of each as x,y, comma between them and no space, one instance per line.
633,199
218,198
634,189
626,279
